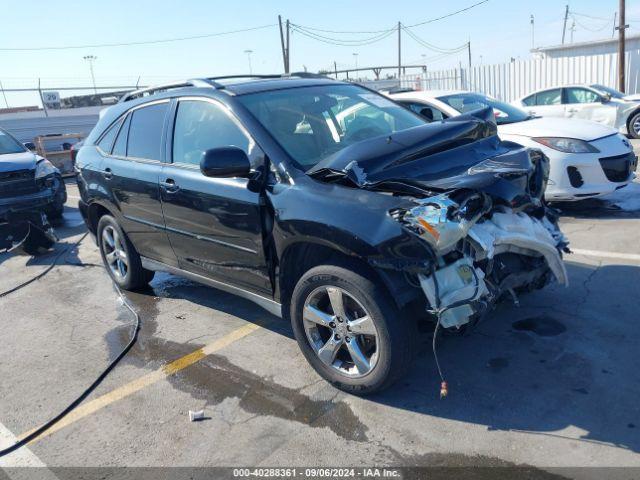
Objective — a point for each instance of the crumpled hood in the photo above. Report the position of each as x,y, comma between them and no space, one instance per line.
461,152
557,127
18,161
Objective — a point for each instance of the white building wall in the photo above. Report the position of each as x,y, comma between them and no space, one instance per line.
510,81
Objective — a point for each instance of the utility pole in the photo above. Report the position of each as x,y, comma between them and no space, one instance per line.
4,94
91,59
469,53
288,48
399,52
564,26
533,33
621,48
284,49
573,29
335,68
249,52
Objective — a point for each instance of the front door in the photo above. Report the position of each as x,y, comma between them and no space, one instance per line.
214,224
586,104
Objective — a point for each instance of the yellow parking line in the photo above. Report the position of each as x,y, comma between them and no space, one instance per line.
146,380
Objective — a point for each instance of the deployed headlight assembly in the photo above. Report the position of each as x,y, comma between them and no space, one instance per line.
44,168
567,145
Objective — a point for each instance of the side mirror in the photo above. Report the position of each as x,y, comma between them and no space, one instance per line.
30,145
225,162
606,97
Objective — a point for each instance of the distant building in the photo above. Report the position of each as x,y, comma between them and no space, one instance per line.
595,47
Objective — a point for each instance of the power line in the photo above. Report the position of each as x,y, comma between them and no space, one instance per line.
448,14
342,42
145,42
430,46
431,20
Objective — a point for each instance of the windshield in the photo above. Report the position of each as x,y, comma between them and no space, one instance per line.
611,91
469,102
8,144
311,123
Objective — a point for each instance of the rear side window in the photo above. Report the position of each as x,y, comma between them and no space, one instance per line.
120,147
428,112
106,142
550,97
145,132
201,126
529,101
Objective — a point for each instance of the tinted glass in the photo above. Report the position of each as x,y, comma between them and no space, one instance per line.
145,132
469,102
529,101
120,147
550,97
581,95
8,144
201,126
106,142
611,91
311,123
430,114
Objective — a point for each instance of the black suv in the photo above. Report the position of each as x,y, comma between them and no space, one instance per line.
323,202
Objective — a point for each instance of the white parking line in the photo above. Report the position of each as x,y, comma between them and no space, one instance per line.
601,254
74,197
13,463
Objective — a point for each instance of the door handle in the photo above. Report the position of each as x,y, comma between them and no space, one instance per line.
107,173
572,110
169,185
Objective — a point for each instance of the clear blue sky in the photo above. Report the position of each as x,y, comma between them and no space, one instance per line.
498,30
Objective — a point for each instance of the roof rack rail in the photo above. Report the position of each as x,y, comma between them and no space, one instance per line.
210,82
196,82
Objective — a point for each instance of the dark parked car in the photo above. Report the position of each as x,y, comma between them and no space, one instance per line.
32,192
325,203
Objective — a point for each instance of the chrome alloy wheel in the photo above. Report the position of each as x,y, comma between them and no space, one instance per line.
636,125
114,252
340,331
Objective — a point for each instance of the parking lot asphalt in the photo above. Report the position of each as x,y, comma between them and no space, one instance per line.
552,383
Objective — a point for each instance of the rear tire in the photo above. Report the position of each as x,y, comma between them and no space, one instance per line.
634,126
120,257
358,367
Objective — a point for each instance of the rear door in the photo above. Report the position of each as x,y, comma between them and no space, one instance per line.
547,103
586,104
214,224
131,173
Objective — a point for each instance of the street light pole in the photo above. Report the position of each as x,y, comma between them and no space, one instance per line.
91,59
249,52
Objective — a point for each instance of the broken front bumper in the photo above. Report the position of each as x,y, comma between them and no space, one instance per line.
24,226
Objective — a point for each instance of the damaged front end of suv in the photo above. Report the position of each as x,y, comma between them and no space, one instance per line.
475,201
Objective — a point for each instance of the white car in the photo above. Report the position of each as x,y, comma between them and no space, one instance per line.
587,102
586,159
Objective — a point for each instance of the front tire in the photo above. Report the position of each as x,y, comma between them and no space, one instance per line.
349,330
120,257
634,126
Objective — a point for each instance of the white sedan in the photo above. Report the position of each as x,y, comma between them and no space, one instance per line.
588,102
586,159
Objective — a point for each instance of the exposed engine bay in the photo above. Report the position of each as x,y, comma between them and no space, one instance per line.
475,200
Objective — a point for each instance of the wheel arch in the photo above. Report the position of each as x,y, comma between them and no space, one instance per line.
301,256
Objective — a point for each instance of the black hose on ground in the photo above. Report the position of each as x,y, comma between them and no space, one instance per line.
134,337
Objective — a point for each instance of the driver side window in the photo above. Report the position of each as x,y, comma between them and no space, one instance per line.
202,125
581,95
